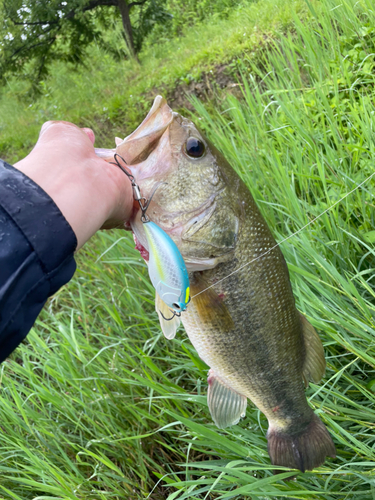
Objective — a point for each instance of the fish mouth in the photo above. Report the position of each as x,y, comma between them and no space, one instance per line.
183,222
137,146
176,224
141,249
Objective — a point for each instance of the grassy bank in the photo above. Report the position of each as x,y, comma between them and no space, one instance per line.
97,404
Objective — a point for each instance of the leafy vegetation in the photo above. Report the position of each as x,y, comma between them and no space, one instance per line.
120,94
97,404
37,32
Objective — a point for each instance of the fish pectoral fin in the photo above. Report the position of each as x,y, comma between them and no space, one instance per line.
207,303
168,327
314,364
226,405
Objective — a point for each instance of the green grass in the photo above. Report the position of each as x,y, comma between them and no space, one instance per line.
98,405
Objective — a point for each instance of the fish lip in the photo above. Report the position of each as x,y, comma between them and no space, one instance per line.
196,212
201,264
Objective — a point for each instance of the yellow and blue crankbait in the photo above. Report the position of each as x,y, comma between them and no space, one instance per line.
166,266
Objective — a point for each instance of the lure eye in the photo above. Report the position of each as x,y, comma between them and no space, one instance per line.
176,306
194,147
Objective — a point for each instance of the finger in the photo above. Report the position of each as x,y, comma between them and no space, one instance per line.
62,132
90,133
54,128
45,127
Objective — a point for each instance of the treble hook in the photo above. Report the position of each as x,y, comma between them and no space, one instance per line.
136,191
178,314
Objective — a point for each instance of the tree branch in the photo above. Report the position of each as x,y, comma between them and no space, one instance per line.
33,24
92,5
42,63
96,3
30,47
55,25
141,2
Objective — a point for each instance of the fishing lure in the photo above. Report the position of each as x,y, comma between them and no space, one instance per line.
167,269
166,266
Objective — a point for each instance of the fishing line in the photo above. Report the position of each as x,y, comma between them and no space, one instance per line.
288,237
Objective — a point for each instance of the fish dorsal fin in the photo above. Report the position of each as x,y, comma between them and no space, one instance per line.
169,328
226,405
314,364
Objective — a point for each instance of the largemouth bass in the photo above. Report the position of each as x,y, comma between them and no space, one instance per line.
242,318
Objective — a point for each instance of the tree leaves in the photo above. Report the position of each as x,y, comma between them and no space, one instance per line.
36,32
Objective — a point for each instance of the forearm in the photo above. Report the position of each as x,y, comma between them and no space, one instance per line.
36,254
51,203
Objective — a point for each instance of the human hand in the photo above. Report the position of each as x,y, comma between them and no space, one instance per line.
91,193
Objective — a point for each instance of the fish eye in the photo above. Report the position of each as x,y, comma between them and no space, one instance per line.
194,147
176,306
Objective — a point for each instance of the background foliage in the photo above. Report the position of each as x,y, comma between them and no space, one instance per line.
185,14
97,404
113,97
34,33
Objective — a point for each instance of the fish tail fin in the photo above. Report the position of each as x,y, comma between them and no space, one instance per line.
304,450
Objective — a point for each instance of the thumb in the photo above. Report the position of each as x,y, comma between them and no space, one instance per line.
59,129
45,127
90,134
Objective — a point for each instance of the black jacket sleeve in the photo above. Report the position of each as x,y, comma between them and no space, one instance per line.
36,254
